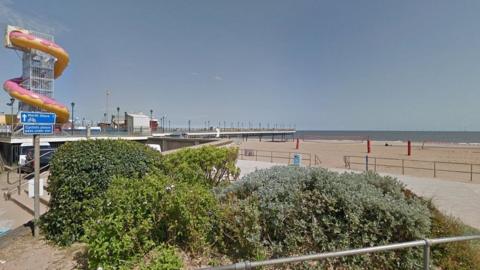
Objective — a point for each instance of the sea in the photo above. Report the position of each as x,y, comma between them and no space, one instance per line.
467,137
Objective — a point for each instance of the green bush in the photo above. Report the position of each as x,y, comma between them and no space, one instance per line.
135,216
81,171
163,258
296,210
209,165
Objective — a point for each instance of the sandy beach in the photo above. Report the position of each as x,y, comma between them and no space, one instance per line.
457,162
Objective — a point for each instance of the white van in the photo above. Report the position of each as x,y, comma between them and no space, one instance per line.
155,146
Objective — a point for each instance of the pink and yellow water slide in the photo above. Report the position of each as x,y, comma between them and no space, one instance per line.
21,39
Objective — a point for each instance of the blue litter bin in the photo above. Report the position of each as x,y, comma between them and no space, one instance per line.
297,159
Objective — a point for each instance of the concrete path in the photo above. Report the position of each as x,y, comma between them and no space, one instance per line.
461,200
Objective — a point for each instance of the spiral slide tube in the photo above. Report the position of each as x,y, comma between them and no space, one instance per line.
25,41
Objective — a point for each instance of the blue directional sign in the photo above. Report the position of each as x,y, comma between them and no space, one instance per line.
37,118
37,129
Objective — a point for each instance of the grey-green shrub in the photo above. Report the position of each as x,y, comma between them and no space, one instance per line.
305,210
81,171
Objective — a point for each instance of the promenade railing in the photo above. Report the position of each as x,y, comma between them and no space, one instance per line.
308,159
369,163
425,243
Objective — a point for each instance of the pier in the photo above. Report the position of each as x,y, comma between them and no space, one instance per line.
10,143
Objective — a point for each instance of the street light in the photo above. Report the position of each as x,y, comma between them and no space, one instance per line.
73,121
118,119
12,100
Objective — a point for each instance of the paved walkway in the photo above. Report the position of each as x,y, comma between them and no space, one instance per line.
461,200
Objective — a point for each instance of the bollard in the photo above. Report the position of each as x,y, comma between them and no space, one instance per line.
369,147
409,148
298,144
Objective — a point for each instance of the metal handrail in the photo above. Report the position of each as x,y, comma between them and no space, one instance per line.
7,194
307,156
19,168
426,243
365,162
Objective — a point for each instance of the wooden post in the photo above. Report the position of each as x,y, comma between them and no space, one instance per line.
375,164
366,163
434,169
409,148
403,166
369,148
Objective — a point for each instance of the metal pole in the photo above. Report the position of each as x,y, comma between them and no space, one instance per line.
36,185
73,119
366,163
118,118
426,255
471,172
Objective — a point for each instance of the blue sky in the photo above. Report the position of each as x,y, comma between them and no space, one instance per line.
348,65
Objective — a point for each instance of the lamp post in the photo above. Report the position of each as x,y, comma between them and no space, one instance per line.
73,119
12,100
163,124
118,119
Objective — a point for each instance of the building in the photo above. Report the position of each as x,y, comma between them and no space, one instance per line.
137,123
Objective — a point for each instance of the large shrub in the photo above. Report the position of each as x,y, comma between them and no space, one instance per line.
135,216
209,165
81,171
295,210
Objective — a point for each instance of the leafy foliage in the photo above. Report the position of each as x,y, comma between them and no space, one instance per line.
163,258
457,255
81,171
295,210
208,165
135,216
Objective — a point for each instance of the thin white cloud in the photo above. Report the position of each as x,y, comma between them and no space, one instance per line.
218,78
10,15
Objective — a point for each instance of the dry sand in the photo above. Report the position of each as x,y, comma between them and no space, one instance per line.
331,155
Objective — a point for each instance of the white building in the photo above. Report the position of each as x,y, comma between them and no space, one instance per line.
137,123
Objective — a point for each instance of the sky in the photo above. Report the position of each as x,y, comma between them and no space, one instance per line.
325,65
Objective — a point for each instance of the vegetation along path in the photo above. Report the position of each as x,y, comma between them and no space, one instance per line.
458,199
